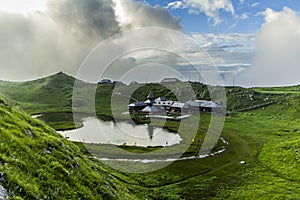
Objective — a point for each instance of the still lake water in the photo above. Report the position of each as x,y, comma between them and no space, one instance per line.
108,132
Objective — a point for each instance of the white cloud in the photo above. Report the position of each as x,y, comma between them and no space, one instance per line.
255,4
244,16
277,58
242,2
271,15
141,15
58,39
233,25
176,5
13,6
244,42
260,14
233,52
210,8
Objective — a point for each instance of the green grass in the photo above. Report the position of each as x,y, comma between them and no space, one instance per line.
37,163
280,90
264,133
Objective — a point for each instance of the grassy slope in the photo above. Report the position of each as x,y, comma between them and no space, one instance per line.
267,138
272,135
280,90
37,163
50,93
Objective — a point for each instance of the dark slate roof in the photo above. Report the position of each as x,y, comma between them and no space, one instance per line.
138,104
150,95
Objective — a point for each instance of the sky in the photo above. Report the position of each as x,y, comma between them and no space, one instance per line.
222,16
254,43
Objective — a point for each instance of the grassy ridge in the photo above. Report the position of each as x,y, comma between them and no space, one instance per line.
54,94
37,163
48,93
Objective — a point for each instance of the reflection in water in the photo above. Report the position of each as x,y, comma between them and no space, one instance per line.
150,131
108,132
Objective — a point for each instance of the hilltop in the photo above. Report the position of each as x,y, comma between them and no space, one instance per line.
52,92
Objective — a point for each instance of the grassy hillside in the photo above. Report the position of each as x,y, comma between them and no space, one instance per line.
263,130
50,93
280,90
54,94
37,163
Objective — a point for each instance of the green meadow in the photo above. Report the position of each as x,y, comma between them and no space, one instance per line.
262,128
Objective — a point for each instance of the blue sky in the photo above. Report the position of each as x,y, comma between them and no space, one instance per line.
245,20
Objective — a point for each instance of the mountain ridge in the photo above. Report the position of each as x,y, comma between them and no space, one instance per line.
54,93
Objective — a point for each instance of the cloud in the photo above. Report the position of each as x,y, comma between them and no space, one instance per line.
277,58
33,46
241,42
143,66
85,19
233,26
232,52
244,16
255,4
58,39
141,15
13,6
210,8
242,2
176,5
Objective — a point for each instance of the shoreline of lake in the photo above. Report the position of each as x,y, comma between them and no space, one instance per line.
97,131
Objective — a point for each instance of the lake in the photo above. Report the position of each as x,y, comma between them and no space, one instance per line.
108,132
